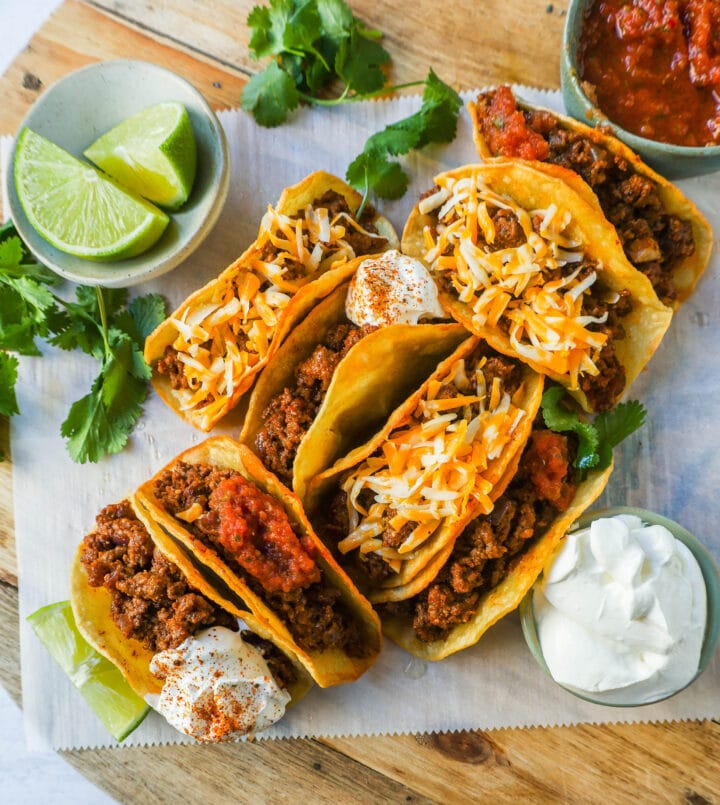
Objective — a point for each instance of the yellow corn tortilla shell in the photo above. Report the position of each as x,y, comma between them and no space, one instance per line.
91,608
508,594
369,382
417,571
533,189
688,271
292,201
329,667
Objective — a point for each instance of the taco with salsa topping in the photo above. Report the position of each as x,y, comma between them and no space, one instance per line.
662,232
340,373
391,506
138,596
484,573
527,263
243,525
206,355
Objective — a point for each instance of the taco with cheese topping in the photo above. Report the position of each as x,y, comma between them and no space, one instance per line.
342,371
207,354
663,234
496,557
138,596
391,506
243,525
524,261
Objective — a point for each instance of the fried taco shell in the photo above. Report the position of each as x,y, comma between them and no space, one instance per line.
207,354
495,559
149,626
393,504
300,428
527,263
243,525
662,232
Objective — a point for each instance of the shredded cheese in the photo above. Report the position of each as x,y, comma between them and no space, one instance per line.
428,472
220,341
544,318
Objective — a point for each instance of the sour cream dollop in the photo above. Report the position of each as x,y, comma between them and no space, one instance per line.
621,611
217,687
392,289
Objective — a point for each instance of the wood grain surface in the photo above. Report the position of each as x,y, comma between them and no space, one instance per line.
468,43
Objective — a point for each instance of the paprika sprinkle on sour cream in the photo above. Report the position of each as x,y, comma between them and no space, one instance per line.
653,67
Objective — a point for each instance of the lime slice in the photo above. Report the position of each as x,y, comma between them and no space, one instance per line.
78,209
153,153
102,685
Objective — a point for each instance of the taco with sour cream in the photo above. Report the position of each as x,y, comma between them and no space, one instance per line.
524,261
241,524
187,646
663,234
207,354
392,505
343,370
484,573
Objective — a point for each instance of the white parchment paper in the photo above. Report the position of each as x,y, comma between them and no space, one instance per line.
672,466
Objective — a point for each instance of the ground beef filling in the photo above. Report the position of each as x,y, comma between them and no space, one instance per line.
491,545
370,569
655,242
316,616
151,599
604,388
290,414
281,668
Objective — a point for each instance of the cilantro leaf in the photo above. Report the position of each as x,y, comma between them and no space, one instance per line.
336,18
560,419
434,122
616,425
358,63
148,311
8,378
270,96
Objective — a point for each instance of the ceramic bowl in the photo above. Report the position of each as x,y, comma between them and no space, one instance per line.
673,161
88,102
712,585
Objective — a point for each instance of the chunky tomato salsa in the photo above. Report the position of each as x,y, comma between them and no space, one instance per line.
654,67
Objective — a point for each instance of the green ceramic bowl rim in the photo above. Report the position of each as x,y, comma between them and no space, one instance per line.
712,586
570,37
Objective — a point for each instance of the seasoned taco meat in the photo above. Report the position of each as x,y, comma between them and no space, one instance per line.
490,545
654,240
151,599
255,539
289,415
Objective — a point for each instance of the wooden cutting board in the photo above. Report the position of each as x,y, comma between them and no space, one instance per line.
469,44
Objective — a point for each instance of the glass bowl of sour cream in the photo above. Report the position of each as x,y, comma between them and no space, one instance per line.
627,609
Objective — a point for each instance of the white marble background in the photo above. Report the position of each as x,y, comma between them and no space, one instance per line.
38,776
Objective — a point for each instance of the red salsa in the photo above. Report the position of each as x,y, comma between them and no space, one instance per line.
654,67
255,530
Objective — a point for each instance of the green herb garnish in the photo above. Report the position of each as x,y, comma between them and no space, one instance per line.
101,323
596,439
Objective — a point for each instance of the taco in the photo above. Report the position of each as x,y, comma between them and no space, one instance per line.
140,599
525,262
239,522
662,232
495,559
336,378
206,355
389,507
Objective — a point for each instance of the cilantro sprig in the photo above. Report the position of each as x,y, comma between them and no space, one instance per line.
434,122
596,439
313,44
101,323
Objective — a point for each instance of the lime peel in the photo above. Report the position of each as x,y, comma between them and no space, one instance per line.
101,683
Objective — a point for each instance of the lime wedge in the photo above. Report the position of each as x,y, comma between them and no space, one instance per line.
102,685
78,209
153,153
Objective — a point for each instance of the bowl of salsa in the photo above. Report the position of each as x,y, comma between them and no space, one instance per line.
650,71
